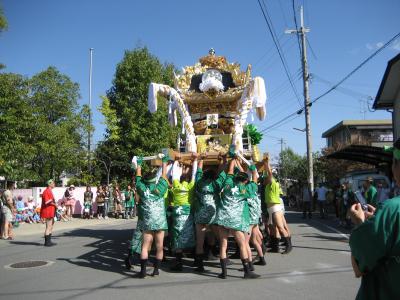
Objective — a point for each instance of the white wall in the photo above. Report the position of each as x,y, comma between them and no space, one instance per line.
58,192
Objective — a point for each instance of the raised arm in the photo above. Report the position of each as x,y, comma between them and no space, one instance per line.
201,161
254,173
164,160
239,165
268,171
231,168
139,166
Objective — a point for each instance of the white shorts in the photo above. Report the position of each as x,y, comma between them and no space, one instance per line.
273,209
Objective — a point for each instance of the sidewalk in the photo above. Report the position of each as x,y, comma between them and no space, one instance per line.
27,229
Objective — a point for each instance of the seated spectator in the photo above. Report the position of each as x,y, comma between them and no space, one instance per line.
20,205
30,210
61,213
36,214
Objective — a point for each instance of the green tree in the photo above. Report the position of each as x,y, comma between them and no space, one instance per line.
131,128
59,145
292,167
17,127
3,26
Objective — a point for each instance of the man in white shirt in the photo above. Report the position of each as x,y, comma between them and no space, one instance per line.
321,192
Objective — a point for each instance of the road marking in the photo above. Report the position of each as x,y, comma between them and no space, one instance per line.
346,236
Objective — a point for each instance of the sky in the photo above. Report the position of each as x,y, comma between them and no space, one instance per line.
342,34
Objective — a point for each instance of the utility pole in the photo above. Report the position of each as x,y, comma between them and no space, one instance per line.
302,32
90,110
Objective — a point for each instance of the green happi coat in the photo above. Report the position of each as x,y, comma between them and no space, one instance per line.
137,238
152,205
183,233
206,197
129,199
233,210
375,245
254,203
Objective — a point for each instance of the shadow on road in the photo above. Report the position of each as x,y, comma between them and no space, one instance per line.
110,249
319,248
326,237
26,243
325,225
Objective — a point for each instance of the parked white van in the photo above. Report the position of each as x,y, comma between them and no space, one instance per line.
356,179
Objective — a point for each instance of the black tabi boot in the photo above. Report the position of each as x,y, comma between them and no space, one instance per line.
251,266
261,261
198,262
178,266
269,241
223,268
47,241
143,265
274,245
248,274
156,268
288,245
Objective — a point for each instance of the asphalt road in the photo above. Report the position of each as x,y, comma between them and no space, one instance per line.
88,263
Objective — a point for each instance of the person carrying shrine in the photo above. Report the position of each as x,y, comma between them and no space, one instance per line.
183,235
254,235
276,210
233,215
153,215
207,190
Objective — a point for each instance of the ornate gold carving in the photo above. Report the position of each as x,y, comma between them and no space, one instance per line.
232,94
225,126
213,107
213,61
240,78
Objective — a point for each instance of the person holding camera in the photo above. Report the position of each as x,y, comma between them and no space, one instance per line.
375,243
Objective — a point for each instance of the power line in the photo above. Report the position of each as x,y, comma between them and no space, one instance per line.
283,13
312,50
357,68
276,42
344,90
270,61
300,111
297,27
